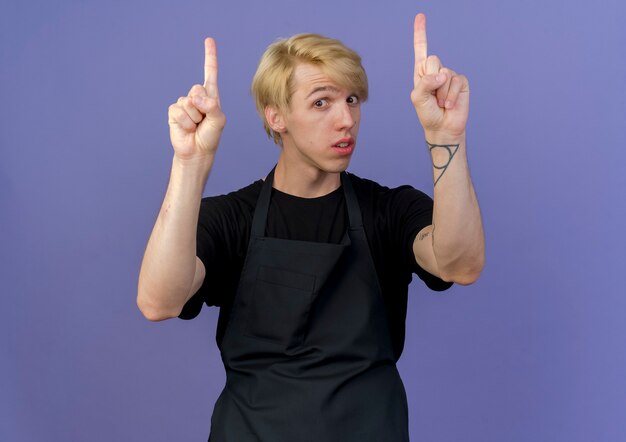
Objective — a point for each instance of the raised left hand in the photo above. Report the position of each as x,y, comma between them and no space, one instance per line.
440,95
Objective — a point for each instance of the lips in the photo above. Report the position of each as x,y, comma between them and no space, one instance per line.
344,143
345,146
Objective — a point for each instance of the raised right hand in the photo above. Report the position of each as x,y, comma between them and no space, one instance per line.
440,95
196,121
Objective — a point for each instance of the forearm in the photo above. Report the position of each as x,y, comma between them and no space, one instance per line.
458,239
169,263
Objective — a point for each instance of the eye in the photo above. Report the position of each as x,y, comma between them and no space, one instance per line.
353,99
320,103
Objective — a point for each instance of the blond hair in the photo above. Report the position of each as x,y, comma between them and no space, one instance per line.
273,82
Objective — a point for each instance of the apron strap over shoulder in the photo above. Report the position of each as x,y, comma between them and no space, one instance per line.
263,205
354,212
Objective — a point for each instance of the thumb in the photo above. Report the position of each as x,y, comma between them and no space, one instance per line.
211,108
429,84
201,103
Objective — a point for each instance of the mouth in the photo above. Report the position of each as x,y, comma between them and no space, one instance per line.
345,146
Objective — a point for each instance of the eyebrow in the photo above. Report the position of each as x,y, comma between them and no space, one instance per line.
323,89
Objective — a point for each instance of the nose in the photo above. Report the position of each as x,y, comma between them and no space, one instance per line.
347,116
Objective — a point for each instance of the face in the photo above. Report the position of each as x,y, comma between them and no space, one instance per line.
322,123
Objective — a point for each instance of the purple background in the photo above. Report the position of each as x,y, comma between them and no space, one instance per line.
534,351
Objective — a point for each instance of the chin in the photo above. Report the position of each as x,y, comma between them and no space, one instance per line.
335,166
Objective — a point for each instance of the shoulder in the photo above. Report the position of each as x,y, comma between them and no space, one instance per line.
246,196
227,218
231,205
381,197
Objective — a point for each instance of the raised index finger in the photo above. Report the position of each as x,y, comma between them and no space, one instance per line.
210,67
420,45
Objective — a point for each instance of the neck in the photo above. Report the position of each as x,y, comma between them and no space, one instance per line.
303,180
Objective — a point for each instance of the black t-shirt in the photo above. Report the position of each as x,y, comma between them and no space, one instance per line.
391,219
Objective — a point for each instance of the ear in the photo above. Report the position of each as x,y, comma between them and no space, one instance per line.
275,119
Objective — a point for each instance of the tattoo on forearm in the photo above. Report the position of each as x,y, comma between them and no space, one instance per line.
423,235
451,148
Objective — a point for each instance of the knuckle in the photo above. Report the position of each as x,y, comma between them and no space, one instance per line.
190,107
181,115
173,110
196,89
185,122
459,81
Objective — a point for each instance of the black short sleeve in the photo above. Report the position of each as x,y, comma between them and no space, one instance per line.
397,215
416,212
222,237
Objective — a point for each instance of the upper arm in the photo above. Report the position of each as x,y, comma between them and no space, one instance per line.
423,251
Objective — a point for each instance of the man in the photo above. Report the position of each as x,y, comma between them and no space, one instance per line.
310,266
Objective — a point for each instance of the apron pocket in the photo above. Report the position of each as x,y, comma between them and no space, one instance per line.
280,306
